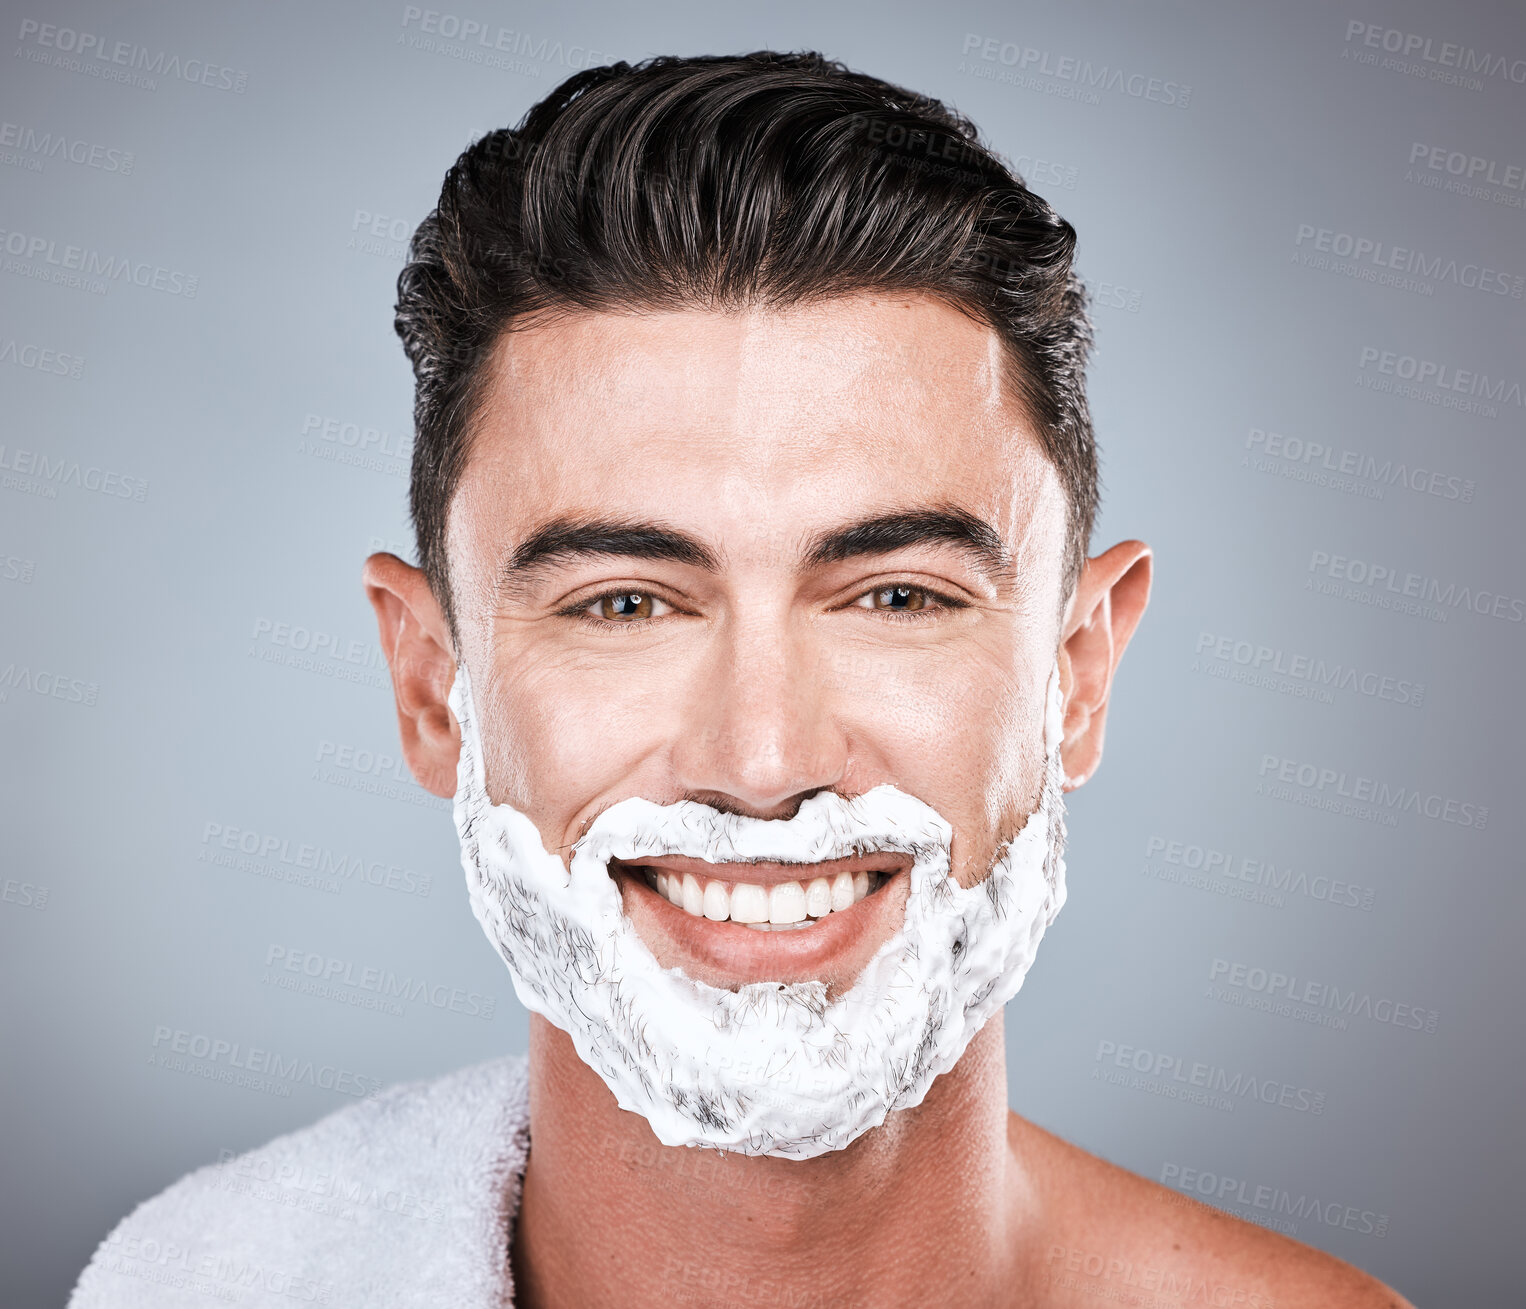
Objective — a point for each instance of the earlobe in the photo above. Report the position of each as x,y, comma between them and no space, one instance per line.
1109,601
417,646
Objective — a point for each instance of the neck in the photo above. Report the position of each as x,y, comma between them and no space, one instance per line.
913,1208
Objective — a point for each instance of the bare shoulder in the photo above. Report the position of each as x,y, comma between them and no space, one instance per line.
1110,1233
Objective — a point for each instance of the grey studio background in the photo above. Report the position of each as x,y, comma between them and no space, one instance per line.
1286,980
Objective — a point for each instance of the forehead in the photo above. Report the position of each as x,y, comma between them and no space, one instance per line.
753,420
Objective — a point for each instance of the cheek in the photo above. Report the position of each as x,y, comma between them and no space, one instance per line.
562,738
967,741
1016,766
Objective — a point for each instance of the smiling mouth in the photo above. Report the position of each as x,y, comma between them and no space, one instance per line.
772,906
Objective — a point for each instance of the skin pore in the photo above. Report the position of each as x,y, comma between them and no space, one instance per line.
740,558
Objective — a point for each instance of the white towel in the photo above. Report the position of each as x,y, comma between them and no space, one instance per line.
406,1199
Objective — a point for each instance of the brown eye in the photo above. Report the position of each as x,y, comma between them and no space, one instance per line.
899,598
625,605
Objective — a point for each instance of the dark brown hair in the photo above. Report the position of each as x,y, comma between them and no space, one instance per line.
723,181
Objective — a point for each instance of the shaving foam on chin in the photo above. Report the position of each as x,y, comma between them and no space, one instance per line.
771,1068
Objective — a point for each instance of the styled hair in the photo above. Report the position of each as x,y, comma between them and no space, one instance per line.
722,182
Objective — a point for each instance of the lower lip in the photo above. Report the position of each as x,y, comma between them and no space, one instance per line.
732,953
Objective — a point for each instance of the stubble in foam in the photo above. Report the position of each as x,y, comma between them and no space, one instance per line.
772,1068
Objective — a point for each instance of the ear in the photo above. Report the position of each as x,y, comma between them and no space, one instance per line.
1108,602
416,641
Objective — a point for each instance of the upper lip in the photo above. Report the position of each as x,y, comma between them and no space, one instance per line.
767,872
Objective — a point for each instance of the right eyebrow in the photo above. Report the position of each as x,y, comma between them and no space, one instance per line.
563,539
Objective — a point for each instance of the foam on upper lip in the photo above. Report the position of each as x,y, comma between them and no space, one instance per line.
637,831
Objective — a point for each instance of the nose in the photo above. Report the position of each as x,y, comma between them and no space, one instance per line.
758,733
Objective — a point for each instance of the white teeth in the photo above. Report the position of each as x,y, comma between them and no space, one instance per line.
842,892
779,906
818,898
786,902
749,903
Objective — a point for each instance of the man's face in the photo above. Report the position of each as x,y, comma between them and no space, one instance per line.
788,551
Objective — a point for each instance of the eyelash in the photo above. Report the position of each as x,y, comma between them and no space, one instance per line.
939,599
580,610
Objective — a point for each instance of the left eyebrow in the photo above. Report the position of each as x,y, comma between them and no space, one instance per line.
885,533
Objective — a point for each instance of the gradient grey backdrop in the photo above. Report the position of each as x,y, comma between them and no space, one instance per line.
1279,208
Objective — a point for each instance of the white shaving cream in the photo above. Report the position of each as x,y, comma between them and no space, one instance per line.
771,1068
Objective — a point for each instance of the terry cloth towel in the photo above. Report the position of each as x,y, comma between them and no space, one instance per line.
406,1199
